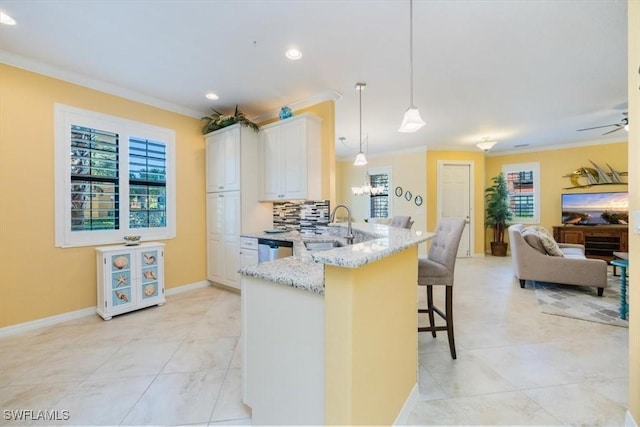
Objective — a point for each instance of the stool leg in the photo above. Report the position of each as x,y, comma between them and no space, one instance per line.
449,306
432,322
624,307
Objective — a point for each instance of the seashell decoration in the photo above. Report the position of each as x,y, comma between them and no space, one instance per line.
149,290
149,274
149,259
120,262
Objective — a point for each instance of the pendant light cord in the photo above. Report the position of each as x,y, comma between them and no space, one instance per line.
411,47
360,90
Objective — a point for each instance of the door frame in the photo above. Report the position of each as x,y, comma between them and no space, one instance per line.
470,163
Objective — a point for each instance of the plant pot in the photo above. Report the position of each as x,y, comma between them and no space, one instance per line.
499,248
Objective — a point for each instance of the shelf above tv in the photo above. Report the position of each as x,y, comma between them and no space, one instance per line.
594,185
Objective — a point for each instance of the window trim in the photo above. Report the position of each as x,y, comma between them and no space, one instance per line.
378,171
535,167
64,117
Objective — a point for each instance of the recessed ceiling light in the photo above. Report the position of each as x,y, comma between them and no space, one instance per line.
6,19
212,96
293,54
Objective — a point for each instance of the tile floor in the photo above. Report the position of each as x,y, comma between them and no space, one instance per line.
180,364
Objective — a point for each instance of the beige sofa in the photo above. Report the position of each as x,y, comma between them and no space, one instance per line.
533,262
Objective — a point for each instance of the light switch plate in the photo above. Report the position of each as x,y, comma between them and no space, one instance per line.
636,222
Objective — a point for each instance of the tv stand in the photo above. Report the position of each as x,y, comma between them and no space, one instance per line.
600,241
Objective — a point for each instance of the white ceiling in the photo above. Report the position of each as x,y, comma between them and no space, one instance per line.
521,72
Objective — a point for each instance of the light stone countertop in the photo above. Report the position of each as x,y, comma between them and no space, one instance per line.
305,269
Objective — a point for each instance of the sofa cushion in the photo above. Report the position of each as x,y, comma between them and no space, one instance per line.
533,239
550,245
575,253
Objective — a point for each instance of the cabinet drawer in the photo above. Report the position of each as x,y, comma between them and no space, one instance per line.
249,243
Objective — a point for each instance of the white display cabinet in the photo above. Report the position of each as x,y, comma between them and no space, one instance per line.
129,278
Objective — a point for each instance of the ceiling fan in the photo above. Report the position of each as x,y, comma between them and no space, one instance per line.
624,123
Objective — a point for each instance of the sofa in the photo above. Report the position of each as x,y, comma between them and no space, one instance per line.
537,257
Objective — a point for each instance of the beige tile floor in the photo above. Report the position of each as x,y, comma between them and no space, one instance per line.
180,364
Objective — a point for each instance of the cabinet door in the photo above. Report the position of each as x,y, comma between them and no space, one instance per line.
215,260
248,257
120,271
270,163
215,215
223,160
215,163
232,264
231,214
293,152
151,280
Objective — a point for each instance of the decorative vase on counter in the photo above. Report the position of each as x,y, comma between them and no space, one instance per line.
285,113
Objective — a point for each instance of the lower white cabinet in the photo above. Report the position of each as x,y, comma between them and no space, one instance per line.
248,251
129,278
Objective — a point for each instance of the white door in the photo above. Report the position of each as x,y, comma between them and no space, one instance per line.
455,195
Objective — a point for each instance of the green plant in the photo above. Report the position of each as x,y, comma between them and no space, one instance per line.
217,120
497,211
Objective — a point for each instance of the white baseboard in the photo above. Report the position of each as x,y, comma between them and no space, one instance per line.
186,288
46,321
72,315
629,421
403,415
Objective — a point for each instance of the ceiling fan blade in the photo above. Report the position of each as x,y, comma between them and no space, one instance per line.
598,127
615,130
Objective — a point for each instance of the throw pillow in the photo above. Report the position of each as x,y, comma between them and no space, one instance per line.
533,239
550,245
539,229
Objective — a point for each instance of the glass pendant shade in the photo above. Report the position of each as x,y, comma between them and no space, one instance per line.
361,160
411,121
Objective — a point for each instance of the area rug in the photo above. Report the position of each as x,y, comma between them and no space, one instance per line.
581,302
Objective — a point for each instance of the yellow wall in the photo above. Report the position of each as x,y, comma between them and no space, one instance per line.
408,171
554,164
478,159
371,342
37,279
634,205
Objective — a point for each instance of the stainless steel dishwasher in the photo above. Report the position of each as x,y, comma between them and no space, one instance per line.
270,249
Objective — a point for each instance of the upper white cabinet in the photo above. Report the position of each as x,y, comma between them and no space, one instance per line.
223,159
290,159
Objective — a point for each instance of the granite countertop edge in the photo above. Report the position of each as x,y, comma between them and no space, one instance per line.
305,270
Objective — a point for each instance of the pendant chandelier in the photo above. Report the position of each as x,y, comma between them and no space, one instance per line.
412,120
361,160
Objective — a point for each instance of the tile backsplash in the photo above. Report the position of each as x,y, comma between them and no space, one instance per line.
308,216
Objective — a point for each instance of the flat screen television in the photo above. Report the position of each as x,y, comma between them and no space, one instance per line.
595,208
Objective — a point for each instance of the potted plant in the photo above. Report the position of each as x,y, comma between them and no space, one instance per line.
497,213
217,120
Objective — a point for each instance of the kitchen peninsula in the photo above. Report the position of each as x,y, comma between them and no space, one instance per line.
330,336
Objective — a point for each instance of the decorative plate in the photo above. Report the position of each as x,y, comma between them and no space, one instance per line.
418,200
275,231
399,191
408,196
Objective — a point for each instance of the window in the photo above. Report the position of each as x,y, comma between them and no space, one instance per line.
523,181
380,203
114,177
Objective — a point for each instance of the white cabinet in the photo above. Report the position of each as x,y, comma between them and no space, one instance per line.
248,251
290,159
223,160
129,278
223,237
232,200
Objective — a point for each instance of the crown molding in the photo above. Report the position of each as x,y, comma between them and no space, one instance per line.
39,67
534,149
327,95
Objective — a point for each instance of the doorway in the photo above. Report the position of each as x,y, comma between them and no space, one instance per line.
455,198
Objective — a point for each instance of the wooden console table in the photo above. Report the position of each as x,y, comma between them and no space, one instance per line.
600,241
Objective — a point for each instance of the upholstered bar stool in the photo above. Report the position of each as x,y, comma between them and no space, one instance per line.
438,270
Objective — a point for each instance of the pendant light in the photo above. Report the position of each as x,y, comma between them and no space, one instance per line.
412,120
361,160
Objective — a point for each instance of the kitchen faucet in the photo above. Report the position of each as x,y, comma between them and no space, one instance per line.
349,229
